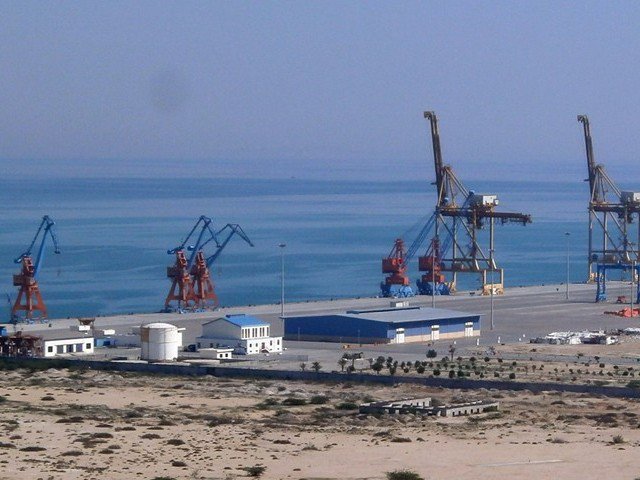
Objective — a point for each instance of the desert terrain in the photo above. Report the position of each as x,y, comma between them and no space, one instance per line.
91,425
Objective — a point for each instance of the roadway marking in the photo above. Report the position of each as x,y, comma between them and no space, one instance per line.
508,464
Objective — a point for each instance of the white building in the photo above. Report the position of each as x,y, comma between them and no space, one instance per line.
74,343
243,333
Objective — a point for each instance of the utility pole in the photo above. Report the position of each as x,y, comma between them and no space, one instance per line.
282,245
633,276
491,266
433,279
567,235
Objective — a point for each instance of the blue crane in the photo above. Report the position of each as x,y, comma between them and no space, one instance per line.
191,284
232,229
397,283
203,290
205,225
29,299
181,290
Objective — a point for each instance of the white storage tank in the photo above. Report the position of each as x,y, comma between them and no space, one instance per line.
160,342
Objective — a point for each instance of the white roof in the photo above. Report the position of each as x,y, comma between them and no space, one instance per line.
158,325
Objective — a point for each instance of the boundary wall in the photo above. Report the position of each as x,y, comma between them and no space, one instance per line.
333,377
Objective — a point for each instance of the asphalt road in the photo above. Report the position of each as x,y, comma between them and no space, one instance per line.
519,314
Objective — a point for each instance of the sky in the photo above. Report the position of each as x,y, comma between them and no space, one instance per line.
327,89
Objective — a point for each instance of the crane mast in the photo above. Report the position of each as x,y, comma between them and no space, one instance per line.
460,215
613,245
191,285
29,305
203,289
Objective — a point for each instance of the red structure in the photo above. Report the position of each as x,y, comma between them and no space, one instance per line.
181,287
431,264
202,289
29,305
29,299
396,284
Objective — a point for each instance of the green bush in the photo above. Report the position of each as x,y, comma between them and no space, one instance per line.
431,353
318,400
452,374
403,475
512,376
255,471
347,406
294,401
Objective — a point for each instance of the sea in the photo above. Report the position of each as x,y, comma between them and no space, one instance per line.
114,235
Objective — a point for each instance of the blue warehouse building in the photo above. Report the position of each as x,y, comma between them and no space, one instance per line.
387,325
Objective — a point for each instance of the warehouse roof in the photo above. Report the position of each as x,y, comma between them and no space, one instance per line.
62,335
242,320
400,315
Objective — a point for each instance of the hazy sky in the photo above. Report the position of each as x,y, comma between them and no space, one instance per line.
316,88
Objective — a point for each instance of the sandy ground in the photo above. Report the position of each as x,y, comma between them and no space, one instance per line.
94,425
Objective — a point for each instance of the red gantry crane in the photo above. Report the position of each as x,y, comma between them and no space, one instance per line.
203,290
29,304
191,284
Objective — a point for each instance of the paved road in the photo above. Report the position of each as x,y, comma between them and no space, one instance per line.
519,314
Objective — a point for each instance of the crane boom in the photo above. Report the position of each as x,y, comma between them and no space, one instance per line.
437,155
46,228
234,229
591,163
29,300
419,240
204,223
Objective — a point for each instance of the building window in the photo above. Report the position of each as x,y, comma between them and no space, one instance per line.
50,349
278,341
87,346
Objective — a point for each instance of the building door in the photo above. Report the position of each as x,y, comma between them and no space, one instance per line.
468,329
435,332
399,335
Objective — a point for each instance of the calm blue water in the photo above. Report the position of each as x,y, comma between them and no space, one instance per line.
114,235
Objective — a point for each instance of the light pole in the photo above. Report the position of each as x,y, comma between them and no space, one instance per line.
567,236
282,245
633,277
491,266
433,278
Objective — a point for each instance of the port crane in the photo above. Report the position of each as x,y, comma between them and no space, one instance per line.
202,287
613,245
460,214
396,283
433,281
191,285
181,290
29,304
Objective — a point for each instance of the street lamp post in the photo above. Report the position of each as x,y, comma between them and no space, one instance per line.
282,245
567,235
433,279
491,266
633,277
